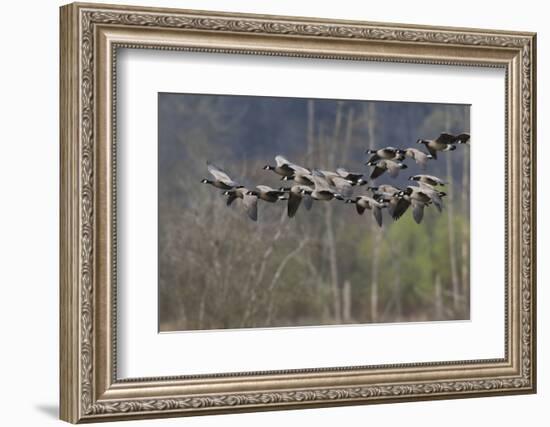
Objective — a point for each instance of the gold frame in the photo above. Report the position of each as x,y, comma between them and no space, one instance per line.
90,36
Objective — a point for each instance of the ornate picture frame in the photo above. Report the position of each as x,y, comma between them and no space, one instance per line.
90,37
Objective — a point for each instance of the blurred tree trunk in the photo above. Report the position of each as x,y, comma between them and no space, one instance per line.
455,290
310,137
438,306
346,302
331,147
465,249
397,291
375,230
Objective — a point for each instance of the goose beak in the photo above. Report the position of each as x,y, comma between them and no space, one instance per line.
419,141
204,181
339,197
267,167
348,201
361,181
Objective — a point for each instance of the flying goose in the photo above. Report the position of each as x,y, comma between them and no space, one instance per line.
382,166
390,199
428,179
266,193
250,201
322,190
386,153
418,156
352,177
283,167
444,142
365,202
337,181
296,194
412,196
221,179
300,176
433,194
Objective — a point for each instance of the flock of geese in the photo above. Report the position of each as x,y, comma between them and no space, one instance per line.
309,184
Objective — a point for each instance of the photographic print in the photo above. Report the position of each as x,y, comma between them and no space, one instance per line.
281,212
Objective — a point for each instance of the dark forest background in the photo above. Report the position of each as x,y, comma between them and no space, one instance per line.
218,269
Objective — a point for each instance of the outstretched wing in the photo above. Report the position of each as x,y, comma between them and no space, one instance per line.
434,195
377,213
435,179
251,205
374,158
308,201
378,171
299,169
400,208
393,168
424,185
418,212
446,138
463,138
294,201
349,175
231,198
220,175
342,172
281,161
268,190
284,163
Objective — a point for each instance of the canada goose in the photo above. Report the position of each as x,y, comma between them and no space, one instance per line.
387,153
418,156
416,197
352,178
266,193
382,166
322,190
435,195
221,179
342,185
389,198
296,194
365,202
284,167
444,142
428,179
300,176
250,201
